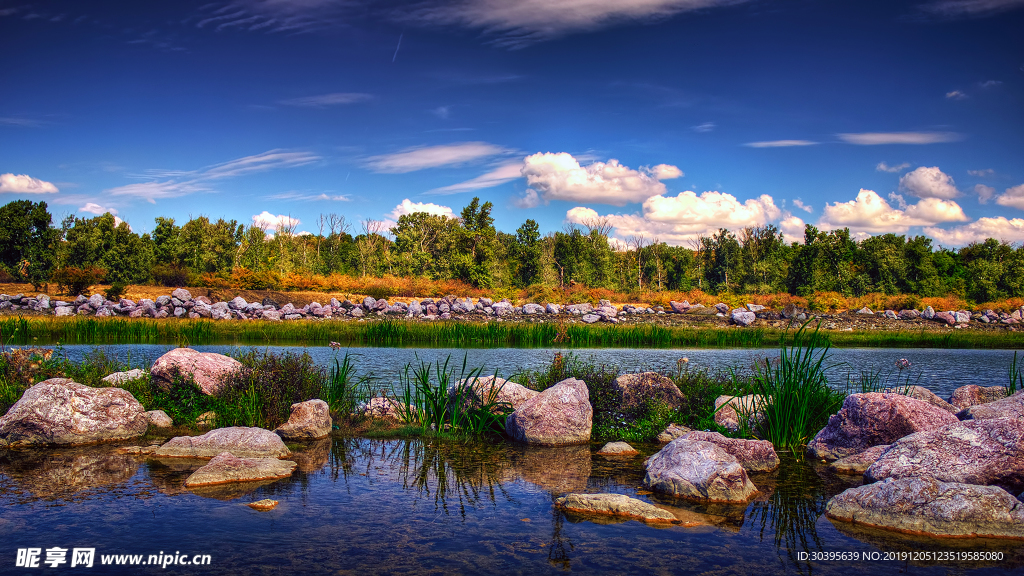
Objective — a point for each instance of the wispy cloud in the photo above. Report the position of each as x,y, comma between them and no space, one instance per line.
296,17
990,83
500,175
181,183
325,100
705,127
420,158
883,167
94,208
800,204
25,184
956,95
982,173
954,8
306,197
18,121
876,138
442,112
780,143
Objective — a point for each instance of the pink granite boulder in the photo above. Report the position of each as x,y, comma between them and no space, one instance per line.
561,415
240,441
753,455
490,390
226,468
309,420
972,395
1009,407
700,471
636,390
207,369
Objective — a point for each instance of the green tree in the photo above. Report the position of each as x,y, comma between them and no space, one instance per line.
27,234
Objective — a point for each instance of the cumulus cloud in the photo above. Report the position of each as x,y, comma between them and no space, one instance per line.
792,227
956,95
325,100
559,176
780,143
529,199
517,24
681,218
409,207
877,138
420,158
94,208
268,221
500,175
25,184
1013,197
985,193
870,213
800,204
954,8
980,230
927,182
883,167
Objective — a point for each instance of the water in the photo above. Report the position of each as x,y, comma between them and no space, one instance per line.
362,506
941,371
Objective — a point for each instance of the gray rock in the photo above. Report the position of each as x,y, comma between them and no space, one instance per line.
119,378
237,303
722,308
553,308
742,317
64,311
271,315
928,313
558,416
865,310
672,432
962,317
181,294
96,301
698,471
225,468
309,420
370,303
159,419
1009,407
891,315
356,312
163,300
590,318
909,314
616,505
728,411
858,463
415,309
293,316
753,455
755,307
240,441
533,309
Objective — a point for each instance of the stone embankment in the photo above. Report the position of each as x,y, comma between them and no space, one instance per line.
181,304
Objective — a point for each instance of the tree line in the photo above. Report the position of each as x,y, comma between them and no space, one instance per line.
754,260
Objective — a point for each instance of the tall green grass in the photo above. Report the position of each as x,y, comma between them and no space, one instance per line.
1016,374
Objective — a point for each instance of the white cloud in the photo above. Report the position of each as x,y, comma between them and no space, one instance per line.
94,208
956,95
927,182
780,143
420,158
877,138
519,23
800,204
270,160
559,176
268,221
1013,197
870,213
409,207
500,175
980,230
153,191
991,83
529,199
883,167
705,127
325,100
982,173
954,8
442,112
323,196
681,218
792,227
15,121
25,184
985,193
294,17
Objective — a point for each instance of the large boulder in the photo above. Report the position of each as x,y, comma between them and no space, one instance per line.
874,418
207,369
972,395
309,420
560,415
984,452
636,390
753,455
931,507
61,412
240,441
490,390
225,468
925,395
698,470
1009,407
728,411
616,505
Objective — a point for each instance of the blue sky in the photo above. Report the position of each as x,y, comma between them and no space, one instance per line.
668,118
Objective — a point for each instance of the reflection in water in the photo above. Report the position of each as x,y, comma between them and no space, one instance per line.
558,469
64,473
311,457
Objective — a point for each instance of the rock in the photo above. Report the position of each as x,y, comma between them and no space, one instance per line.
617,449
491,390
370,303
386,409
225,468
930,507
181,294
207,419
618,505
560,415
962,316
742,317
159,419
858,463
96,301
672,432
679,307
309,420
698,471
590,318
871,419
753,455
923,394
553,308
356,312
270,302
271,315
944,317
755,307
865,310
61,412
635,390
909,314
533,309
1008,407
929,313
722,308
64,311
263,505
240,441
729,408
983,452
973,395
207,369
118,378
61,474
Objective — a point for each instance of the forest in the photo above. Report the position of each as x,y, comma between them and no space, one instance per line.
468,251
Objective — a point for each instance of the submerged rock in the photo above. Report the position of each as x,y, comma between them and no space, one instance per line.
206,369
225,468
62,412
618,505
240,441
617,449
930,507
871,419
698,470
263,505
309,420
753,455
557,416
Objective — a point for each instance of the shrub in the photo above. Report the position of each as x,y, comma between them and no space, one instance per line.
115,291
73,281
209,280
245,279
171,276
826,301
262,392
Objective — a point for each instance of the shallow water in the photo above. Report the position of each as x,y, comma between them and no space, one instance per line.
941,371
361,506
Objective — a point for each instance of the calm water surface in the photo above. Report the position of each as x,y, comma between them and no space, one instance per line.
361,506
